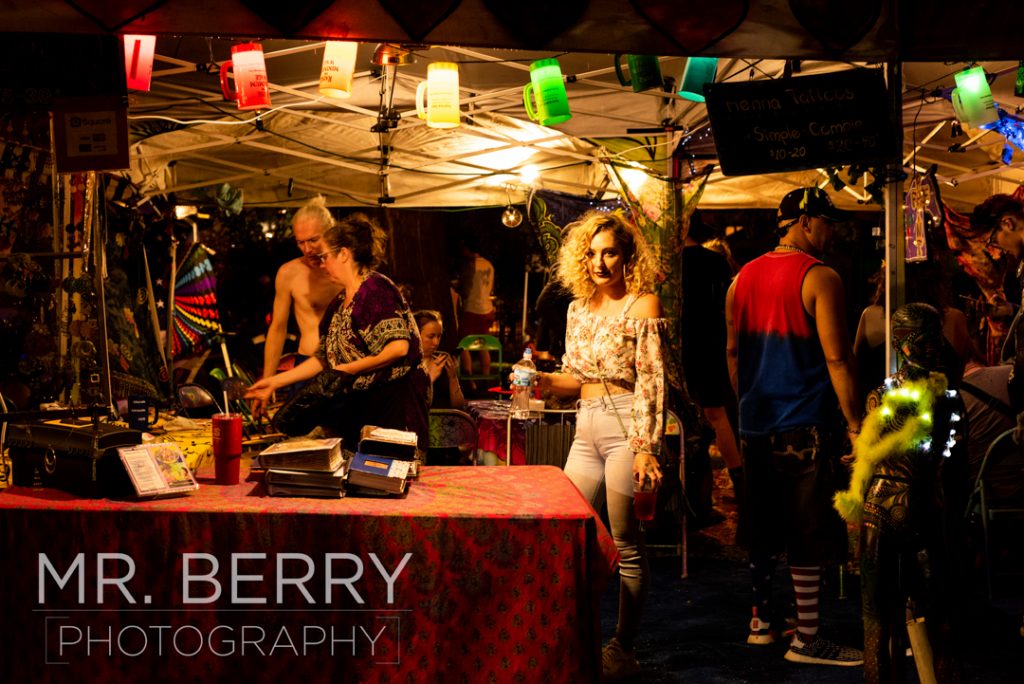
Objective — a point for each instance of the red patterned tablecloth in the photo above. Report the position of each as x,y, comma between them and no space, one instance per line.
503,569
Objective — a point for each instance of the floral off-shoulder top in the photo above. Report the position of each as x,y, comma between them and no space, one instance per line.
626,352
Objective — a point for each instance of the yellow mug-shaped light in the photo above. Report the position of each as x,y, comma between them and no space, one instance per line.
338,66
441,92
548,89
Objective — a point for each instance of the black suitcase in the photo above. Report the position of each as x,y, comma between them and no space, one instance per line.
77,456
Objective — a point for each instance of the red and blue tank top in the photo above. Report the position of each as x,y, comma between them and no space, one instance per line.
783,379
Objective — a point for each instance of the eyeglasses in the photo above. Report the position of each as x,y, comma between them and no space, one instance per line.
994,235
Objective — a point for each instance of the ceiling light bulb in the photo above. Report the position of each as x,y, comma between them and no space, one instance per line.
511,217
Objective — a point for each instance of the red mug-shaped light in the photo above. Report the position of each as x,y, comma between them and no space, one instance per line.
250,72
138,61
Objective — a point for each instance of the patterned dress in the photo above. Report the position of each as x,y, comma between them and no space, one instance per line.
392,396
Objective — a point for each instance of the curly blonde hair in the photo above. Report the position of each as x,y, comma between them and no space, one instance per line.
573,271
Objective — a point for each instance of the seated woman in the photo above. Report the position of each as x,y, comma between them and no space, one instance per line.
442,392
368,333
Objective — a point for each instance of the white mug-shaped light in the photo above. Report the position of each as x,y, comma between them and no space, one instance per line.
338,66
441,91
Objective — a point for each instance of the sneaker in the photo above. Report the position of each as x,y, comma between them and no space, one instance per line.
760,633
823,652
616,663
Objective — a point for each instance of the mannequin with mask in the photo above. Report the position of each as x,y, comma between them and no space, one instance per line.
906,457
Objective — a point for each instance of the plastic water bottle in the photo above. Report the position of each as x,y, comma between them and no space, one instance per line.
523,374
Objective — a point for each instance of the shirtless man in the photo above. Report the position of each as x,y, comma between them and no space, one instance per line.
303,285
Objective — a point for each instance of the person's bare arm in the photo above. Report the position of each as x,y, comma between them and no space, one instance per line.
278,330
264,388
647,306
731,341
560,385
392,351
860,338
824,297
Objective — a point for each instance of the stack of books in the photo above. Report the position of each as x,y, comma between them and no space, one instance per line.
305,467
385,462
377,475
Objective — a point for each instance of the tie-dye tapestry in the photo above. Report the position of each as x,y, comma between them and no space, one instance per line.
195,318
550,212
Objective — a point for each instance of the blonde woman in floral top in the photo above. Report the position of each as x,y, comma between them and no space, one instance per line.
614,363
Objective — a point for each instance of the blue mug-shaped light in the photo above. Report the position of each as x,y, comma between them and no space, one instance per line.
698,71
548,89
644,72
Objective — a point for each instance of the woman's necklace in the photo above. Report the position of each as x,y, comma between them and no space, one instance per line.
782,246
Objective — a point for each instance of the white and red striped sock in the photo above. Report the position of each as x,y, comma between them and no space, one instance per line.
806,586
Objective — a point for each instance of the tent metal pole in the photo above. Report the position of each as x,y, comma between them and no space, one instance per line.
895,272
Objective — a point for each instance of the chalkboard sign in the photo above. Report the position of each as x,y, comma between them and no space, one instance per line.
798,123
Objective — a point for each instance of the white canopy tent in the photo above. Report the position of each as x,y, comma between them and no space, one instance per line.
330,149
309,144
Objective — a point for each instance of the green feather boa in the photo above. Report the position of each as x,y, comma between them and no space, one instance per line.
901,423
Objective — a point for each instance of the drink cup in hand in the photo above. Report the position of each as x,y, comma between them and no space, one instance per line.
645,496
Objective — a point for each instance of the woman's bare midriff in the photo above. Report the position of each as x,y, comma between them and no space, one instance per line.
593,390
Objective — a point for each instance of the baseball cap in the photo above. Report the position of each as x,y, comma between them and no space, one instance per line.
812,201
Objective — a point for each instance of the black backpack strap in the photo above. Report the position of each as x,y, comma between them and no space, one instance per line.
992,402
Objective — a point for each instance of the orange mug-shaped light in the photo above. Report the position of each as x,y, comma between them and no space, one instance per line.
250,72
442,95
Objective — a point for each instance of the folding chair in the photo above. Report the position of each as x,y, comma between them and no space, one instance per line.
990,502
196,401
451,428
479,343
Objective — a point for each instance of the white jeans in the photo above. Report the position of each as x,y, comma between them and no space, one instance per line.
600,455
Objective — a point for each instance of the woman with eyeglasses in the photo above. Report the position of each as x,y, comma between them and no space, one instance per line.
367,332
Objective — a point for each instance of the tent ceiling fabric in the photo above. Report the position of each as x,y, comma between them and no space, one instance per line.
187,139
892,29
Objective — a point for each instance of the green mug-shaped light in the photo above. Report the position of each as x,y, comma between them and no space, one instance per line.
698,71
549,92
644,72
972,98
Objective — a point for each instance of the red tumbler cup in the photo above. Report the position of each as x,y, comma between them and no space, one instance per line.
227,447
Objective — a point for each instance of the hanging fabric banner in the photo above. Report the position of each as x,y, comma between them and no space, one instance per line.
195,317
